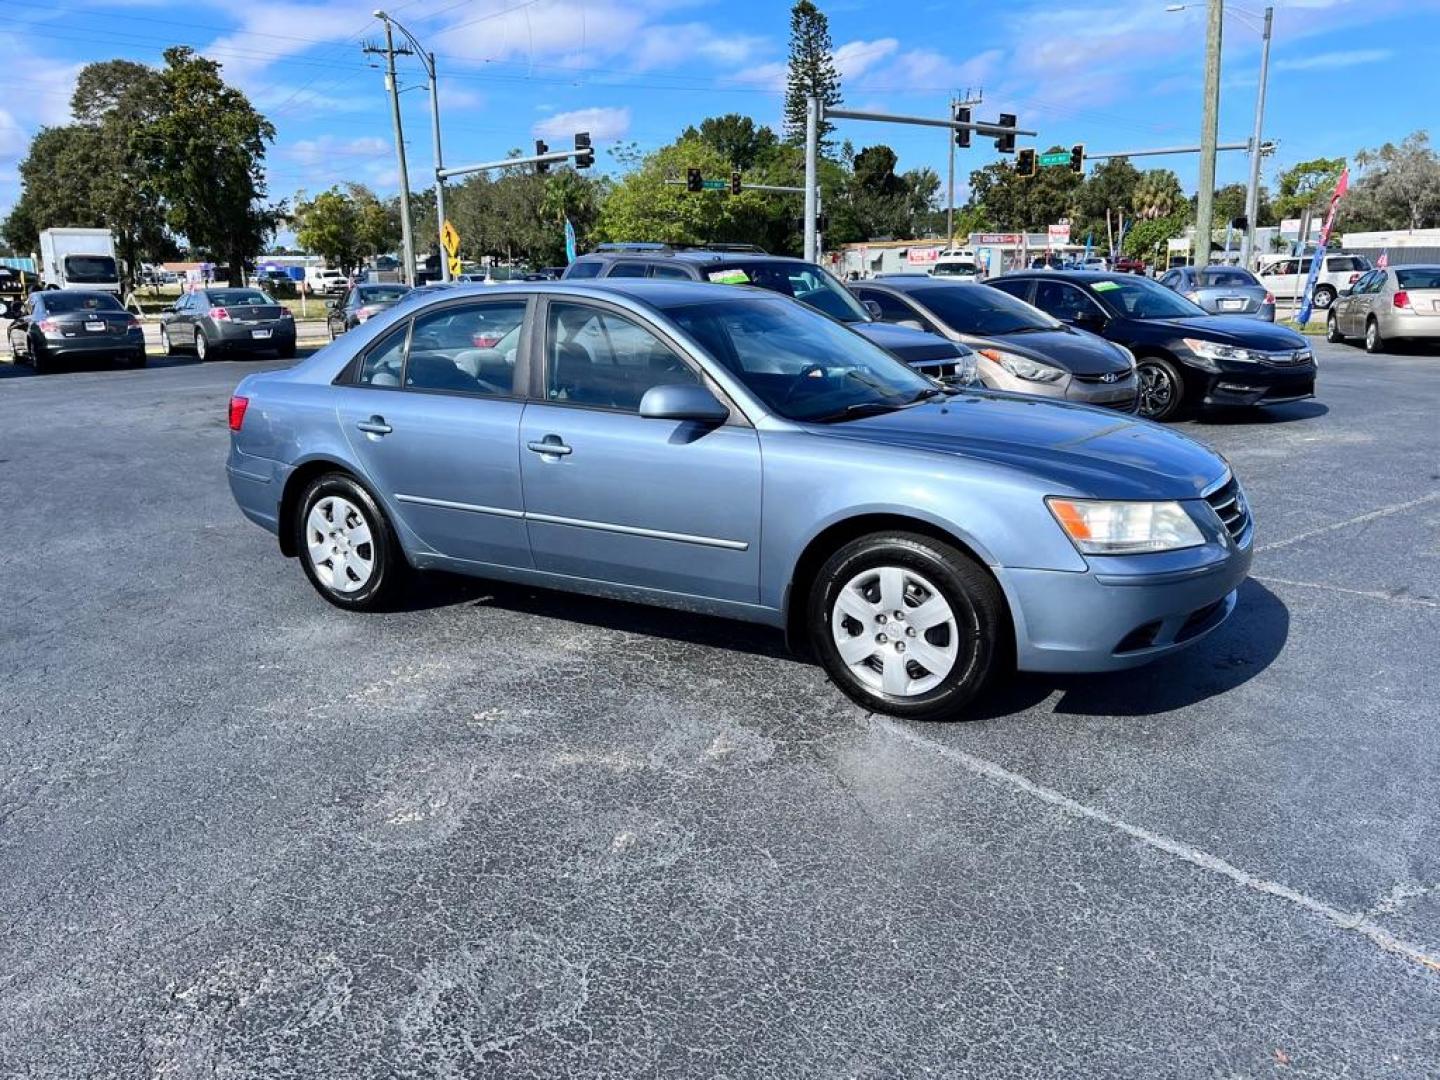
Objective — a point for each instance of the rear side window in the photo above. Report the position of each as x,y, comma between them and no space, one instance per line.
672,272
1019,289
628,269
1346,262
584,269
466,348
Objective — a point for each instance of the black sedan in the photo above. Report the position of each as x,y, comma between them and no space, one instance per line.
360,303
75,323
209,322
1184,356
1017,347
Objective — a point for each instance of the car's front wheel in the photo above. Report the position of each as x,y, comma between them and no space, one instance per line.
907,625
1324,297
1161,389
346,545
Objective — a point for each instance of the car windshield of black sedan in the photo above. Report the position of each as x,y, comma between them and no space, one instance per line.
60,303
807,283
801,365
1140,298
983,311
238,298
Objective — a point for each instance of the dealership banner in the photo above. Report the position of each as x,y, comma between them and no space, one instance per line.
1319,257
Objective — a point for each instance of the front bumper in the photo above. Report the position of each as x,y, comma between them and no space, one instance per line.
1123,611
1237,383
1115,395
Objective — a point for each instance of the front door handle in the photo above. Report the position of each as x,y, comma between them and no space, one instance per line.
551,444
376,425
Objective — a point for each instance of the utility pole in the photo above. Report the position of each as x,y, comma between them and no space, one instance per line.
812,173
1252,193
407,242
959,101
1209,127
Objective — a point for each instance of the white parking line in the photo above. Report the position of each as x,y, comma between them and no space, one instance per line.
1357,923
1385,511
1373,594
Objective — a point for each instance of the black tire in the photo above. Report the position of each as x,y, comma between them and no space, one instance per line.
1324,297
1332,329
138,359
391,572
286,351
1164,395
974,599
39,361
1374,342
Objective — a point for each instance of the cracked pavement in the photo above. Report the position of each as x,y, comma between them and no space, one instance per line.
519,834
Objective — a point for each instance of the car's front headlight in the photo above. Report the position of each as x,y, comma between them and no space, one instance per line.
1125,528
1022,367
1213,350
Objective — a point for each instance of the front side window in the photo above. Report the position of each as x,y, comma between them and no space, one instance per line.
892,309
602,359
466,348
984,311
1016,287
1068,303
385,361
801,365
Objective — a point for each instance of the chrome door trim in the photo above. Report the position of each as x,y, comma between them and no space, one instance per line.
446,504
635,530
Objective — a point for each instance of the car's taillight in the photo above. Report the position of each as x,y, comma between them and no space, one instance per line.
48,326
219,314
1354,278
285,313
1269,298
133,324
1401,299
238,405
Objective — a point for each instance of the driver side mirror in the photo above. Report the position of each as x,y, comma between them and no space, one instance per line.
683,402
872,308
1345,292
1087,320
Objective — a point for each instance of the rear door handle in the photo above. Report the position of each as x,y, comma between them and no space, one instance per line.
551,444
376,425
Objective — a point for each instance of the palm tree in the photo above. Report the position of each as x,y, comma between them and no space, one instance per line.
1156,195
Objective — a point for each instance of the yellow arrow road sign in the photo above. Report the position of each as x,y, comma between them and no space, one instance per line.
451,239
455,267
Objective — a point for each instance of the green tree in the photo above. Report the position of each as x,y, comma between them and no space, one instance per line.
57,185
206,152
811,73
1014,202
1307,186
1108,189
1157,194
346,226
736,138
1399,188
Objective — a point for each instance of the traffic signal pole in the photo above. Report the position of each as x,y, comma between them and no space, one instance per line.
812,175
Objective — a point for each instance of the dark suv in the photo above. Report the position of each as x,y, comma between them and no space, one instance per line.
806,282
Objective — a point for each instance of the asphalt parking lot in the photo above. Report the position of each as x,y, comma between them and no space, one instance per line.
519,834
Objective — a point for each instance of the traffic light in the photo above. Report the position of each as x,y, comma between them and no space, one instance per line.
541,148
1025,162
962,135
1077,158
734,183
693,180
584,155
1006,143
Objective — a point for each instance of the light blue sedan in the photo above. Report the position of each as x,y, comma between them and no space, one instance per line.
730,451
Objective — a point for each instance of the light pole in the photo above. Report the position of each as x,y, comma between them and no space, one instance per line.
1264,23
427,60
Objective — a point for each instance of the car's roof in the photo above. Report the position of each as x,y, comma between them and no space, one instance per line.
74,292
660,293
1079,277
694,255
912,282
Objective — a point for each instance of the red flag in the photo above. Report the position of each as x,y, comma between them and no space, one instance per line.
1384,260
1344,184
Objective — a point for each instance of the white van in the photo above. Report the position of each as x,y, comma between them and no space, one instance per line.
958,264
1285,275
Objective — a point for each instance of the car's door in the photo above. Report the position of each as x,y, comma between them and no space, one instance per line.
181,327
613,496
337,314
434,423
1347,306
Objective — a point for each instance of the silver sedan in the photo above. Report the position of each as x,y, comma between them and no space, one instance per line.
1223,290
1395,303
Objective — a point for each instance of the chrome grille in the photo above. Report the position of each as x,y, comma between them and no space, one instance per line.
1228,502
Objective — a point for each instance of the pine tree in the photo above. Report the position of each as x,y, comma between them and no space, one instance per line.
812,71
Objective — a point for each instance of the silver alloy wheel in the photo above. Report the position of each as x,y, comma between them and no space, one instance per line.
895,631
1155,389
1332,328
201,345
338,542
1324,298
1372,335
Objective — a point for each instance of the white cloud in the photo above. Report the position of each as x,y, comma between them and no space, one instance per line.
1330,60
602,124
769,76
854,58
336,154
270,32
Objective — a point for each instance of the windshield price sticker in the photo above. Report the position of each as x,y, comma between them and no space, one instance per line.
729,277
1105,286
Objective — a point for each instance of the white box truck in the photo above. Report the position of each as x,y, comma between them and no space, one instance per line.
79,259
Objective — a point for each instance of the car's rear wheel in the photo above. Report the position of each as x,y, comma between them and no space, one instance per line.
346,545
39,359
1324,297
166,343
1374,342
203,349
1332,329
138,358
286,351
906,625
1161,389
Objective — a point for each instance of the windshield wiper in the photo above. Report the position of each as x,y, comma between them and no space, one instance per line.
932,391
854,412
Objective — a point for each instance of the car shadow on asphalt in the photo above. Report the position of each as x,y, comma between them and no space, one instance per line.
18,370
1232,655
1270,414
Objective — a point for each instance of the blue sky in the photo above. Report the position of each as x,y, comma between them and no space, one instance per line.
1114,75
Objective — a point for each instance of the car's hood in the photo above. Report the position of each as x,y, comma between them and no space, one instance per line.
1077,351
908,344
1237,330
1095,452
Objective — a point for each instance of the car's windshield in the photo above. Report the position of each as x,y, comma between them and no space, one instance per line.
1226,278
980,310
1420,277
238,298
804,281
92,268
1141,298
382,294
58,303
800,365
